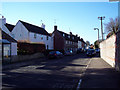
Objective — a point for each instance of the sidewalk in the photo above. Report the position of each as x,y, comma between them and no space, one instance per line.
100,74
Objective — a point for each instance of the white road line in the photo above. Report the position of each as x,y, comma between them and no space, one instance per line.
78,87
89,63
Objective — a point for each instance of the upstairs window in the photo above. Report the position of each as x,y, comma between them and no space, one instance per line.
66,42
41,38
63,35
35,35
68,36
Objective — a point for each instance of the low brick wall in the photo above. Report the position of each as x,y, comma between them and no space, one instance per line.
19,58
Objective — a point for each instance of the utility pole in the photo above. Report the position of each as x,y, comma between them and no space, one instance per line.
101,18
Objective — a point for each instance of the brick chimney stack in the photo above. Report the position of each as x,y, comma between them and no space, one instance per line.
55,28
2,20
70,33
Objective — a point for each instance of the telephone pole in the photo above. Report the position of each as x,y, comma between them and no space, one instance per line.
101,18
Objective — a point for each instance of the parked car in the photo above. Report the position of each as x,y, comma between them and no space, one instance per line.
79,50
55,54
91,52
97,50
69,52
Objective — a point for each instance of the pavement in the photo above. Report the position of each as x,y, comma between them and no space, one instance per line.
100,74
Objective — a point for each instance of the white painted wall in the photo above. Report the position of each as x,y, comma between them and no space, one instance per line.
48,42
3,27
107,50
20,32
13,48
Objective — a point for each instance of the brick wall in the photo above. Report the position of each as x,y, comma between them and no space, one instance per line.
58,41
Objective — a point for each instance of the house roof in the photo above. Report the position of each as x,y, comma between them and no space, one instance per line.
7,37
34,28
9,26
66,36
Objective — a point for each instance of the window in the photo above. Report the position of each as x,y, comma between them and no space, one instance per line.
41,37
35,35
63,35
73,38
68,36
66,42
47,37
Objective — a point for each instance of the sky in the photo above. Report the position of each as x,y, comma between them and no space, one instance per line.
78,17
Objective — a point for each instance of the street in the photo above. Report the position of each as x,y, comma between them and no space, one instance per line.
66,72
54,73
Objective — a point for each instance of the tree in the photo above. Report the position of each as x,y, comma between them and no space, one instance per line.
88,43
112,25
96,43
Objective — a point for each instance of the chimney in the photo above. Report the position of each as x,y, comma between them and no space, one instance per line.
70,33
43,25
2,20
76,35
55,28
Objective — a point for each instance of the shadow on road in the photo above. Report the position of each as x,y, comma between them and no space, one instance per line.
55,73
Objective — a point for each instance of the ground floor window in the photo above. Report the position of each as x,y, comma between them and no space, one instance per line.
6,50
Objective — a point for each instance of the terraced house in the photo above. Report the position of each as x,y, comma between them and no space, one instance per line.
64,41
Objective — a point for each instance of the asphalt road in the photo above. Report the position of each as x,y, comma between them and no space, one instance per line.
54,73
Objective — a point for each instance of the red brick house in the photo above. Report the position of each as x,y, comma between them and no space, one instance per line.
64,41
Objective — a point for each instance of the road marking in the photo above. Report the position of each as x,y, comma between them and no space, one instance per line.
88,63
78,87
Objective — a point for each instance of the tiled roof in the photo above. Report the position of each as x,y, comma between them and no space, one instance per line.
7,37
66,36
9,26
35,29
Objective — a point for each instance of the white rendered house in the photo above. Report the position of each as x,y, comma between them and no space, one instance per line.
6,29
32,33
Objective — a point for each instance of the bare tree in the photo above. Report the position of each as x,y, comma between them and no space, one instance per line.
112,25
